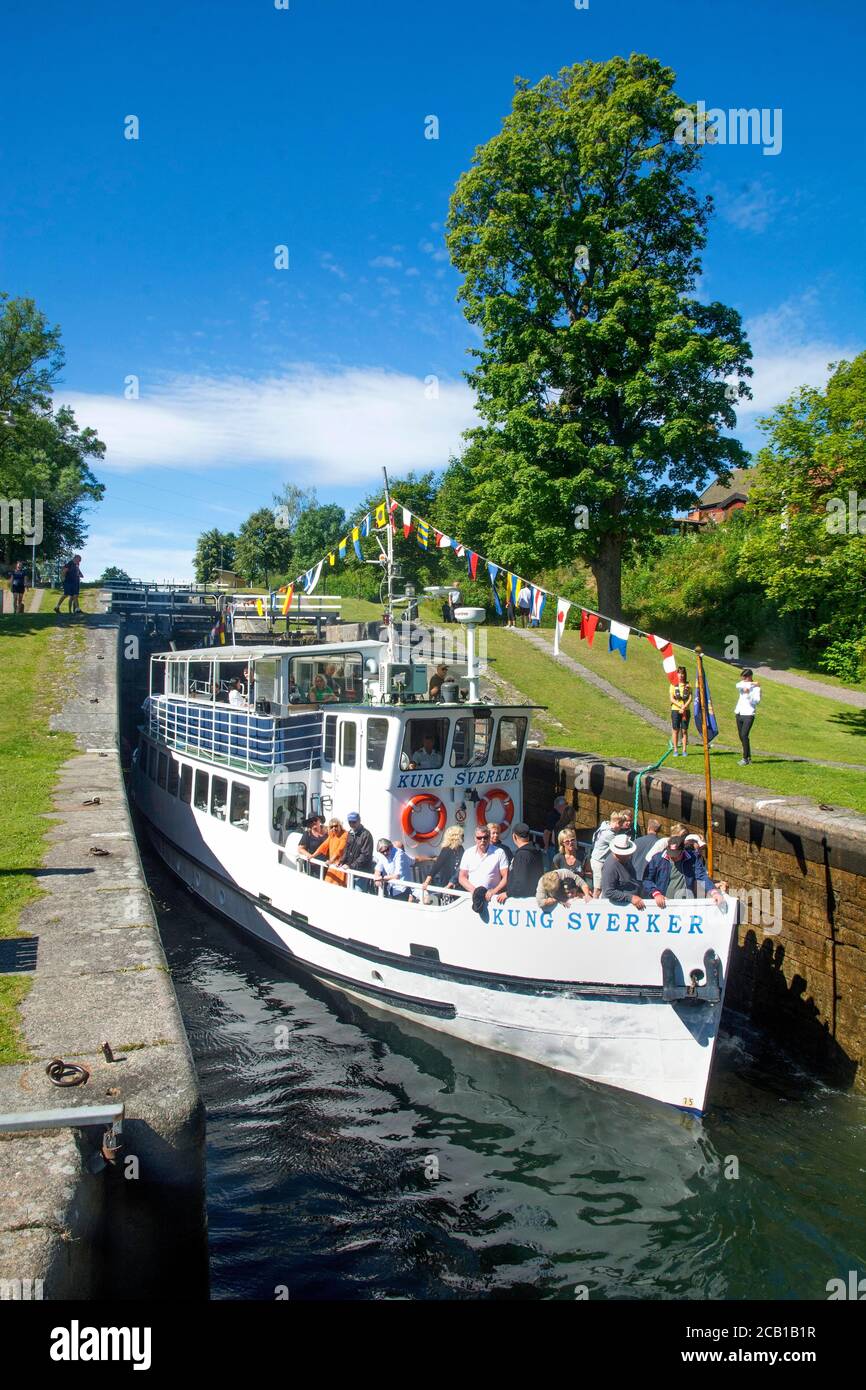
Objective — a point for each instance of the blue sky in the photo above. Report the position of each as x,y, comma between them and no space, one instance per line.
305,127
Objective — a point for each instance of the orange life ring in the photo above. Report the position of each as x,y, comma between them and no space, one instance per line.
423,799
507,807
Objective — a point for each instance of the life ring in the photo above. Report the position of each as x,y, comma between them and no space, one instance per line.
424,799
507,807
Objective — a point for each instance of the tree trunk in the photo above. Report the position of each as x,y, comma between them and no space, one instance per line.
607,571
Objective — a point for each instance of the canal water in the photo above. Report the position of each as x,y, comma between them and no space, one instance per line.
351,1156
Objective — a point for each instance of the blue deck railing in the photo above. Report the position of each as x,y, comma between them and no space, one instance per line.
236,737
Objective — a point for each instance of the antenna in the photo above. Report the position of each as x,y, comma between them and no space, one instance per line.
389,565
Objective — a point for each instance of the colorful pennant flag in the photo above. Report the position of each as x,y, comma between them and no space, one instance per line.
311,578
381,515
618,639
669,661
493,570
562,610
332,559
260,608
341,548
422,531
538,598
287,601
588,624
407,523
443,542
356,543
365,525
472,563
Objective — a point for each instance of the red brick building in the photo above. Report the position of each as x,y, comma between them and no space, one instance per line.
719,501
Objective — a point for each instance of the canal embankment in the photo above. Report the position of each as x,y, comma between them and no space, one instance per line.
72,1225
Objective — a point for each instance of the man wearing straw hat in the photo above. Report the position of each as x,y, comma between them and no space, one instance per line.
619,884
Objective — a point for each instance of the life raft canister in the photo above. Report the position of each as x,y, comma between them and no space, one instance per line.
507,815
410,806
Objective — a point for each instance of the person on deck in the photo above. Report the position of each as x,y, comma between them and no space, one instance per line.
497,830
619,883
313,836
681,708
527,865
236,695
567,856
483,870
561,814
679,873
445,869
332,851
618,824
560,886
644,843
359,852
434,689
393,869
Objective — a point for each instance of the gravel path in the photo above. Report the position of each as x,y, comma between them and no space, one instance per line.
831,692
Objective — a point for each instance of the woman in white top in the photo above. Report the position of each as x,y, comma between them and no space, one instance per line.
748,698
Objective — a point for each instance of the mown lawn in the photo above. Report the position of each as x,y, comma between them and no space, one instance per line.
32,685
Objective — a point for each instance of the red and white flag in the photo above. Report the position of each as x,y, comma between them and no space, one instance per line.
588,624
407,522
669,661
562,609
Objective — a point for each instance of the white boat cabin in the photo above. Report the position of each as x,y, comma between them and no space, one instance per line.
330,729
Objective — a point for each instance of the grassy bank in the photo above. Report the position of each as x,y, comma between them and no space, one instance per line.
33,683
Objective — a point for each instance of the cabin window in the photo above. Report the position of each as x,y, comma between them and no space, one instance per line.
177,678
509,740
152,759
239,813
471,745
201,780
329,747
172,776
267,679
377,739
334,679
201,679
348,743
163,769
289,806
424,743
186,783
218,797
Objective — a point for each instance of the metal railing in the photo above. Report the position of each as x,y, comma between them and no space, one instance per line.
237,738
318,868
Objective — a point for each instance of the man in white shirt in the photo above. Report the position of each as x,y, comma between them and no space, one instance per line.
427,756
748,697
392,863
483,870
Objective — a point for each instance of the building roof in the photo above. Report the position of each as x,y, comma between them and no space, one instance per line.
718,494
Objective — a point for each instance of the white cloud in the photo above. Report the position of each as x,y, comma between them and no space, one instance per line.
386,263
788,353
337,427
750,209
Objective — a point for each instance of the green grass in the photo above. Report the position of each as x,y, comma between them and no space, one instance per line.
32,685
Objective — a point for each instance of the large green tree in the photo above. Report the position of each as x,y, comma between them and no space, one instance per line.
601,380
44,455
264,548
807,539
215,550
317,531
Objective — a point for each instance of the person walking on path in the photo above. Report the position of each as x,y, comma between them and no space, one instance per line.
71,585
748,699
681,709
18,585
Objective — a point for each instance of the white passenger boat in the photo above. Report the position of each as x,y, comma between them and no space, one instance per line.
627,998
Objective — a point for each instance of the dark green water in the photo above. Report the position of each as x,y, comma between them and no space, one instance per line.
323,1155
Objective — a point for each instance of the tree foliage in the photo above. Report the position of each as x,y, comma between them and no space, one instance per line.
264,548
601,379
215,550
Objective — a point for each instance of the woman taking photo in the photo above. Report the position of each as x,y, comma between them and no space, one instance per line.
681,709
748,698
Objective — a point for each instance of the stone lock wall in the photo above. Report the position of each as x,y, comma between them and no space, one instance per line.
799,966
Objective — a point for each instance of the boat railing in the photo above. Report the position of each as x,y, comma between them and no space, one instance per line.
318,868
238,738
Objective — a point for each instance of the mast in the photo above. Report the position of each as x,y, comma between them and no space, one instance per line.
389,567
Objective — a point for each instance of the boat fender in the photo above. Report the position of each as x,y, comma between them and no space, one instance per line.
410,806
507,812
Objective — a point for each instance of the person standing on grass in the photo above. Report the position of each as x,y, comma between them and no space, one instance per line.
681,709
748,699
71,585
18,585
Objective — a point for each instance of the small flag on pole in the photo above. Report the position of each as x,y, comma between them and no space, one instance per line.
381,515
704,700
287,601
618,640
562,610
407,523
422,531
666,650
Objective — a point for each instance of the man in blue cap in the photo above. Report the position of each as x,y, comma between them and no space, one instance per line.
359,852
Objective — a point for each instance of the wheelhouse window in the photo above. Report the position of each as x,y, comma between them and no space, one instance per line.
201,680
218,797
377,740
163,769
177,678
326,679
288,808
471,745
329,743
201,781
186,783
239,812
173,776
424,743
348,743
509,740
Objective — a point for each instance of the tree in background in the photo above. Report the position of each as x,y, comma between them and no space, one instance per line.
317,531
113,575
601,380
807,540
264,548
215,550
44,455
